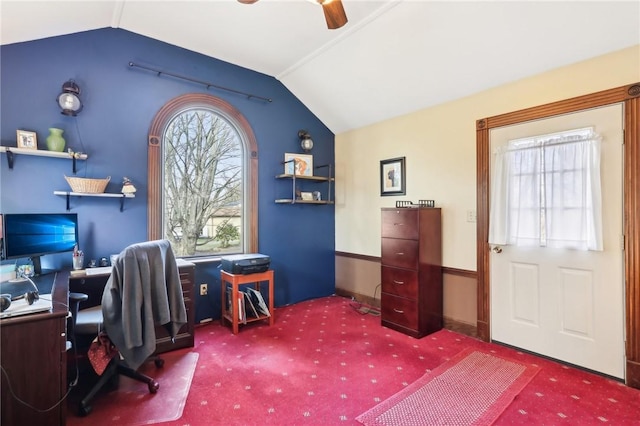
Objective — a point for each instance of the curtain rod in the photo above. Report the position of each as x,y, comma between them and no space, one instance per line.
540,145
193,80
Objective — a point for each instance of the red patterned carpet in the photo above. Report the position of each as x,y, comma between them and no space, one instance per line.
324,363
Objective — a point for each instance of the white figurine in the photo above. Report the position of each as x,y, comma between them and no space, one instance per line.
127,186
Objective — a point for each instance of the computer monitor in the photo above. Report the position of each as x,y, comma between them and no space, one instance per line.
36,234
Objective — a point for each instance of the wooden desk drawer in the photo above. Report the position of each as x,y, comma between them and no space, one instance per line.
400,253
400,311
400,282
400,223
186,280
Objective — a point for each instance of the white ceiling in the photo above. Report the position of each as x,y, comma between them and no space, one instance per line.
393,57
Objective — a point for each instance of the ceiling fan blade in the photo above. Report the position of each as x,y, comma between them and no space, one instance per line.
334,13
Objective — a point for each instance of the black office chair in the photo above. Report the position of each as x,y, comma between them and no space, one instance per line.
148,273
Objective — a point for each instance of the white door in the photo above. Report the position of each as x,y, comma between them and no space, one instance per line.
561,303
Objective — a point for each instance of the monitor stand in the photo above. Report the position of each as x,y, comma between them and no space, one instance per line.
37,267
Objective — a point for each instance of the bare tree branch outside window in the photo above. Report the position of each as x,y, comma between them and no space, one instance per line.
203,185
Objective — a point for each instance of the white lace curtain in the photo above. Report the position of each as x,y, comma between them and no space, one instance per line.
545,191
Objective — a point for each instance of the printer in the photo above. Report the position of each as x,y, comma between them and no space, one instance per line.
245,263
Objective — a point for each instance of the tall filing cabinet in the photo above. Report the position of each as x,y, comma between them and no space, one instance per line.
412,270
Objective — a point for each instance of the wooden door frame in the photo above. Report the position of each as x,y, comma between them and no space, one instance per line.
630,96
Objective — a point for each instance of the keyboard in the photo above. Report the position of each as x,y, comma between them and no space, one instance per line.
102,270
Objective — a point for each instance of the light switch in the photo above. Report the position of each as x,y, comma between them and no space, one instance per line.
471,216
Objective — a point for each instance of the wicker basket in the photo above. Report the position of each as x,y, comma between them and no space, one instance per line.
86,185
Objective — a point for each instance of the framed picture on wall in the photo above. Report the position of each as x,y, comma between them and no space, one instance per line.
27,140
392,176
298,164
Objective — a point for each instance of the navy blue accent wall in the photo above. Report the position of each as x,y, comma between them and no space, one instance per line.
119,104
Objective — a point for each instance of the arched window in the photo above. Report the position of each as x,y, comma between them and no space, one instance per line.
202,177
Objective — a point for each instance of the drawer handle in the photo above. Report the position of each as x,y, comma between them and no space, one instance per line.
400,254
398,282
398,224
398,311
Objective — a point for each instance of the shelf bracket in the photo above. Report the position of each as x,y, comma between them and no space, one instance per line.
10,159
293,196
122,203
74,164
68,201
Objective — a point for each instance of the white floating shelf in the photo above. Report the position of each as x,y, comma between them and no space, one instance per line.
10,151
42,153
69,194
89,194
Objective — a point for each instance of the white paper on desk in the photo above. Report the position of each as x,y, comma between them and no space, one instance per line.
22,307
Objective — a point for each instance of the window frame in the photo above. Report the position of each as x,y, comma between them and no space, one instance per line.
541,230
155,160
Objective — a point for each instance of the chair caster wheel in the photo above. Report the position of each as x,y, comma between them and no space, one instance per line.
159,363
84,410
153,386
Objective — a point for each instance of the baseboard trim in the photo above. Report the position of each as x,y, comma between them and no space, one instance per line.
460,327
367,300
449,323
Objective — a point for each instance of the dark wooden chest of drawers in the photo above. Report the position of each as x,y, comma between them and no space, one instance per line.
412,270
93,286
185,336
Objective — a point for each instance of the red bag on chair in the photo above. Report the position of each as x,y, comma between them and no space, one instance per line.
101,352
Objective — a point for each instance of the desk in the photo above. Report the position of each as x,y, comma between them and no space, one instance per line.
236,280
33,355
93,286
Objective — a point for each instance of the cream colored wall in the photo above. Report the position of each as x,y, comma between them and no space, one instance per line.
439,144
359,277
459,299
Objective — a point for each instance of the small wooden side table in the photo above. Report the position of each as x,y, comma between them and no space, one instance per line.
236,280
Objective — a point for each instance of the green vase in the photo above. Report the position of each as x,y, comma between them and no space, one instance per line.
55,141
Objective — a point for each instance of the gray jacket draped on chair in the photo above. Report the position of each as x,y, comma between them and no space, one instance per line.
143,291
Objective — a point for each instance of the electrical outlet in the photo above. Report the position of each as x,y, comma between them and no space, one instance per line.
203,289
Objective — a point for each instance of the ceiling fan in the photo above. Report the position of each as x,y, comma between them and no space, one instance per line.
333,12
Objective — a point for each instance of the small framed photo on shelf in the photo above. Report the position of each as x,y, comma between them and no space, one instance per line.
298,164
26,139
306,196
392,177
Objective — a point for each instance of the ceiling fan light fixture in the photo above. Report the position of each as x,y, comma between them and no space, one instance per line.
333,10
334,13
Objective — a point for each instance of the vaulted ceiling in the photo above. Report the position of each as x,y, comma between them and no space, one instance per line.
392,57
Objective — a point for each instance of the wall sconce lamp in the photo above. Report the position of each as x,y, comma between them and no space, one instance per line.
69,99
305,140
